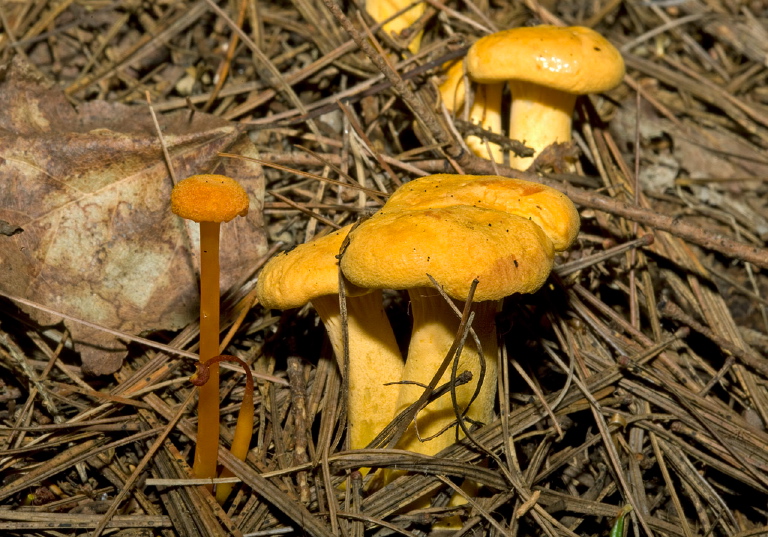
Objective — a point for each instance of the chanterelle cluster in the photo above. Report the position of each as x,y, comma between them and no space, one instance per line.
456,228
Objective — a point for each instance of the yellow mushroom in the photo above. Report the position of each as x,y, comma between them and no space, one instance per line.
309,273
381,10
485,110
546,67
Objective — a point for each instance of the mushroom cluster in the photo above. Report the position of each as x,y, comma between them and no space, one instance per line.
457,229
501,233
546,68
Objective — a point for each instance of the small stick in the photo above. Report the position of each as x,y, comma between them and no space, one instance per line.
299,411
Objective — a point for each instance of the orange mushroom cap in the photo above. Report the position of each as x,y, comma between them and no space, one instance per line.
307,272
573,59
548,208
507,253
504,232
209,198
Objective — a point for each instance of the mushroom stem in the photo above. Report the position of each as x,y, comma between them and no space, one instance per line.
486,111
453,90
206,450
434,329
374,361
539,117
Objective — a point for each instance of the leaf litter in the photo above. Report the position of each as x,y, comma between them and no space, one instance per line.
90,190
648,353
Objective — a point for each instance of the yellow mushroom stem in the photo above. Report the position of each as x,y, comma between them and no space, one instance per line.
453,90
241,440
486,112
434,329
539,117
374,362
206,449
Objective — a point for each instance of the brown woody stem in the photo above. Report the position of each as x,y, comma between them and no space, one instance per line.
206,450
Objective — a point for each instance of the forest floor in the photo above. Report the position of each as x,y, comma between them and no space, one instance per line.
632,388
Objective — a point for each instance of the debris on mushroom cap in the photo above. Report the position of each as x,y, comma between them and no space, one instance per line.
209,198
545,206
396,250
291,279
572,59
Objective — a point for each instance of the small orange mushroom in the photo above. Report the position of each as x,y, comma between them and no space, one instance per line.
209,200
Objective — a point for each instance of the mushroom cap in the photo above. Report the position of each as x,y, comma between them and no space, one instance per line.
209,198
572,59
396,250
545,206
311,270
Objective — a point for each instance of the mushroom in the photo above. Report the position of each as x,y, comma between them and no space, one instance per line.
402,17
310,273
453,90
457,229
546,67
208,200
485,110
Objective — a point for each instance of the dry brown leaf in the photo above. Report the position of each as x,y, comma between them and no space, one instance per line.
90,190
